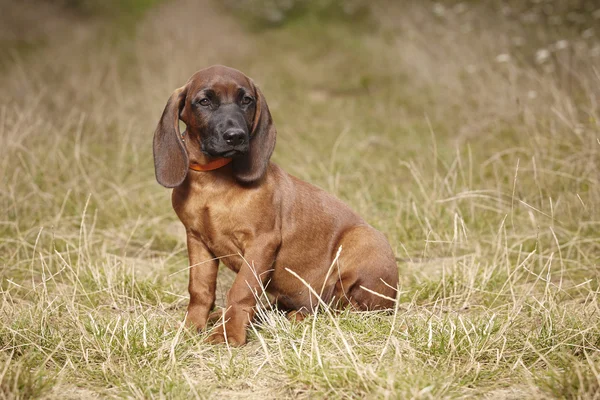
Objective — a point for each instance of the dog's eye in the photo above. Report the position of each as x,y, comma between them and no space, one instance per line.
204,102
246,100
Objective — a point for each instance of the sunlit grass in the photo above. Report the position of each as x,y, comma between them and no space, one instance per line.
477,160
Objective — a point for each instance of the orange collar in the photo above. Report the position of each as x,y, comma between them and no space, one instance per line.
214,164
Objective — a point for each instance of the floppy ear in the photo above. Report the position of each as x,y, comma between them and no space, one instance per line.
171,161
252,166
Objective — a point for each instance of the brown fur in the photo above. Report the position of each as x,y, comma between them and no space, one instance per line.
270,220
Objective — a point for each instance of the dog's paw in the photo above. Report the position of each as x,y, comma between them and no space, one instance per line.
233,340
216,338
194,325
195,320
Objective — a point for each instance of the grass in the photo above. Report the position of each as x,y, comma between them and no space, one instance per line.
442,125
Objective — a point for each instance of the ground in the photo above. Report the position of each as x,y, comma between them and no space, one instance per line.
467,132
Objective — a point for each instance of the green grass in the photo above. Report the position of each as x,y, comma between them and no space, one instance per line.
482,172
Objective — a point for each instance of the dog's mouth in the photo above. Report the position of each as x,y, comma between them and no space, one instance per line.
230,154
224,153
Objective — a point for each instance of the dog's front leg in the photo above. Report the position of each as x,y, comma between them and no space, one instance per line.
203,282
246,288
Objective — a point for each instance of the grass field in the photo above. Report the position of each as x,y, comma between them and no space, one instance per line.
468,133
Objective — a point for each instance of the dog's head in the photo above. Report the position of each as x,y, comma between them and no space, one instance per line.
226,117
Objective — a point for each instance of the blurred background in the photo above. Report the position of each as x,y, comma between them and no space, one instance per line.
367,96
466,131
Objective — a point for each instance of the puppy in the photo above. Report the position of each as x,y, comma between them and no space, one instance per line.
276,232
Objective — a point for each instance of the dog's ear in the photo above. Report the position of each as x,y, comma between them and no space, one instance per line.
252,166
171,161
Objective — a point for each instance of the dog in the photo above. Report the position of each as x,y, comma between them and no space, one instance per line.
277,232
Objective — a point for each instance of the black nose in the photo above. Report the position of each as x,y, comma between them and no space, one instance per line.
234,137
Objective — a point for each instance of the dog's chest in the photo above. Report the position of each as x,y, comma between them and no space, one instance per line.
214,217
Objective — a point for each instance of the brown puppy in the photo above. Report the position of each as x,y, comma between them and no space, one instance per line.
237,205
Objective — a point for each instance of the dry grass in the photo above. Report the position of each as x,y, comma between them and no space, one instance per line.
448,128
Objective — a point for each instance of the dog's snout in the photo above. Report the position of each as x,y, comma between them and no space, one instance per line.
234,137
